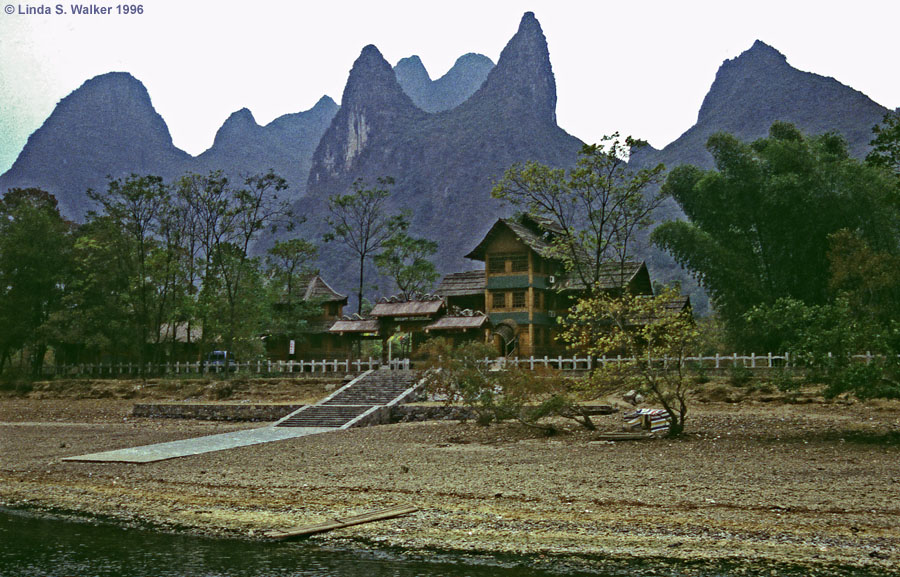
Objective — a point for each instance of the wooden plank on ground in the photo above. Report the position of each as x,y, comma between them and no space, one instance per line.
624,436
307,530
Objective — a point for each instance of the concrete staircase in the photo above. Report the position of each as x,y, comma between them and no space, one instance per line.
364,401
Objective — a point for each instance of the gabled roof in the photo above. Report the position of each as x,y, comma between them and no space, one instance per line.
679,304
396,306
318,289
534,233
462,284
458,322
612,276
348,325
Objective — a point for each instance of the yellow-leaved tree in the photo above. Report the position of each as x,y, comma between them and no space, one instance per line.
653,334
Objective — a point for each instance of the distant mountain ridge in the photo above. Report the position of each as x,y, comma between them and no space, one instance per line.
759,87
444,141
285,145
444,163
749,93
107,126
450,90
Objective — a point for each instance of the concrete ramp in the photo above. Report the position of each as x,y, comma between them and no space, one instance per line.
355,404
198,445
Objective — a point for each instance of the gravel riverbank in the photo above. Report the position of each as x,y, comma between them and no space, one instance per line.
814,484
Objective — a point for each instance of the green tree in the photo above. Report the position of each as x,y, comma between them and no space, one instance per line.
219,223
361,222
95,317
288,264
35,255
137,205
250,210
654,338
405,259
828,340
597,208
886,144
759,224
868,279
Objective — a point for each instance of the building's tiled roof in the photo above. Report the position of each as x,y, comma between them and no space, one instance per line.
678,304
533,239
611,276
461,321
355,326
318,289
462,284
395,307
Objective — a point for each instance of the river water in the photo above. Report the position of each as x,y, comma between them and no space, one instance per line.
32,546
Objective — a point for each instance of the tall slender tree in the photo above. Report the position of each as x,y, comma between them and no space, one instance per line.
361,222
137,205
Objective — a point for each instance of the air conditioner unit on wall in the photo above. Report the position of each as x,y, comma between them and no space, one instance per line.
551,314
551,279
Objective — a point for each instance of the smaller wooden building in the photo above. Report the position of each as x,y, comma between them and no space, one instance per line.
314,341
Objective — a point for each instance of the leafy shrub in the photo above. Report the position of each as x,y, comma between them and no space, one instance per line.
784,381
739,376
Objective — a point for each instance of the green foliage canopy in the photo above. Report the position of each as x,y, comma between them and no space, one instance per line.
759,224
599,206
405,259
35,247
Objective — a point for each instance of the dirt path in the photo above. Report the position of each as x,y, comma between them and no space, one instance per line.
811,484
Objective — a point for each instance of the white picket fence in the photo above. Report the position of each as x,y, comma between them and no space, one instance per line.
259,367
587,363
324,366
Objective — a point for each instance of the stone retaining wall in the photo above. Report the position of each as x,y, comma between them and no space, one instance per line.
266,413
208,412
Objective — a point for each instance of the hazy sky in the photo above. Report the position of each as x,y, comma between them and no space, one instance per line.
639,67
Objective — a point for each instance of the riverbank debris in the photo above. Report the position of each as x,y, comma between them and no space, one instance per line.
325,526
655,421
625,436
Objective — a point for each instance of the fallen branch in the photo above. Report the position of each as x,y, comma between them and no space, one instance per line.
307,530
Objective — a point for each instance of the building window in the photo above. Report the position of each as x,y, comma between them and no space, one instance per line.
497,263
499,300
540,301
518,301
519,262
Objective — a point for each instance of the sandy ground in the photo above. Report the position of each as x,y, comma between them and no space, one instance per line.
813,484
